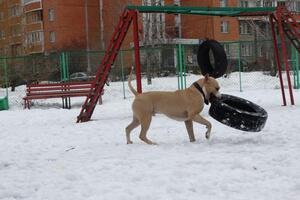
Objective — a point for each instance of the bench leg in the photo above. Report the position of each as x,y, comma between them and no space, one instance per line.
26,103
66,103
69,99
100,100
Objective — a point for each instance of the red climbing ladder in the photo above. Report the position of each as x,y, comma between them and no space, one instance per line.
290,27
105,66
286,25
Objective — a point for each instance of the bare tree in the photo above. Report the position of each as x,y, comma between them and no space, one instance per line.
154,34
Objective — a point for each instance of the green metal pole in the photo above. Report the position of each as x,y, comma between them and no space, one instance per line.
67,66
122,71
292,61
6,76
61,66
295,66
184,66
180,66
240,73
177,65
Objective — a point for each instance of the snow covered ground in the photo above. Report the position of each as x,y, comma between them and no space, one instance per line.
44,154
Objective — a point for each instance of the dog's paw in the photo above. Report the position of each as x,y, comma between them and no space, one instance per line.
129,142
207,135
154,143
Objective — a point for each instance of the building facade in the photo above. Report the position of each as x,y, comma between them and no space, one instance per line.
10,27
45,26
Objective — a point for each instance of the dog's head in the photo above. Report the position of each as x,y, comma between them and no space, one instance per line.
210,87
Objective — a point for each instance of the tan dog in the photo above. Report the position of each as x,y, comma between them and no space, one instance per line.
182,105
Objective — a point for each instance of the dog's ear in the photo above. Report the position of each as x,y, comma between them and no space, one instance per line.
206,77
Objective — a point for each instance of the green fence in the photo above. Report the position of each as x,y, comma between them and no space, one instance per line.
3,86
244,57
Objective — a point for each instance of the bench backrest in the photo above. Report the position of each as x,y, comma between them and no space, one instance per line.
53,87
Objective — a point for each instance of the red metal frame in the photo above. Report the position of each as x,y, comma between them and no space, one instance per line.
129,16
277,58
137,51
284,55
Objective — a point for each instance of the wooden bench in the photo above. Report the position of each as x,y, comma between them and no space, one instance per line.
58,90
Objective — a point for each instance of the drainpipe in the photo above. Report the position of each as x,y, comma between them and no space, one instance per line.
87,35
101,24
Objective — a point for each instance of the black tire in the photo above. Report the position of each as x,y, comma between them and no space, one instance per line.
220,59
238,113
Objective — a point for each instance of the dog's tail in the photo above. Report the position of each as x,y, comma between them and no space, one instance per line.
130,86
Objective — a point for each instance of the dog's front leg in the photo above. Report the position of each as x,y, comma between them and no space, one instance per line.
190,130
201,120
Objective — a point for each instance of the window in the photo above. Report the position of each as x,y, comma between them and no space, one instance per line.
14,11
244,4
2,34
281,3
2,51
261,51
224,26
245,28
52,37
34,37
51,14
16,30
297,6
16,49
34,17
294,6
269,4
223,3
177,26
29,1
1,16
176,2
246,49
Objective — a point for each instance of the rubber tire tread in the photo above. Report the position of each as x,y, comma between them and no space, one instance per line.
220,58
238,113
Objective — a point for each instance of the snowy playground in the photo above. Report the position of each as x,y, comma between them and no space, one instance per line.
46,155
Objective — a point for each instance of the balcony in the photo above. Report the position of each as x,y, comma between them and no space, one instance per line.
32,5
34,42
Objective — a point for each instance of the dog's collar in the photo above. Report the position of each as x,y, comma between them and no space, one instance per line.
201,91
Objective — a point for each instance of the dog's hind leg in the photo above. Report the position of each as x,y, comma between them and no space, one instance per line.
135,123
201,120
145,123
190,130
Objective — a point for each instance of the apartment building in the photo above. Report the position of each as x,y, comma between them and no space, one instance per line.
199,27
44,26
258,28
10,27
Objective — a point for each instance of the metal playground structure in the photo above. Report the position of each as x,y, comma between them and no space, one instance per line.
280,19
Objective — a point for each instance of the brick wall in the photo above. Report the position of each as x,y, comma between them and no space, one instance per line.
68,25
208,26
